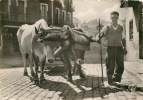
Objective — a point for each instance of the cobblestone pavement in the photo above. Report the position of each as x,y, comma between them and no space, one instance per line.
15,86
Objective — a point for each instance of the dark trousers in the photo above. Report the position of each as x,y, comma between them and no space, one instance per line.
115,63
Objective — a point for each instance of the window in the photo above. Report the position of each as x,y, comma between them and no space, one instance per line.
57,16
1,40
9,11
21,9
18,2
131,30
69,18
44,10
64,16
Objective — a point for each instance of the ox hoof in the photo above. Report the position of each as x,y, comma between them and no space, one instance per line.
70,80
25,73
36,82
42,81
83,77
33,74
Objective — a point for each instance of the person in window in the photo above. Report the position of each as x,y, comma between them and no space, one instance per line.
116,48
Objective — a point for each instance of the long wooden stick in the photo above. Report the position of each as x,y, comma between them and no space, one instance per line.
101,54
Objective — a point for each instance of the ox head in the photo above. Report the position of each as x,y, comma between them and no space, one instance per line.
40,34
48,51
41,27
41,24
66,32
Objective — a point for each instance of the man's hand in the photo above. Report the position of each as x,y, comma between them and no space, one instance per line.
95,39
125,51
123,42
99,41
39,40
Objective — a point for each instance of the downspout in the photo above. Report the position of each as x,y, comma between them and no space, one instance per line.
52,11
25,10
9,5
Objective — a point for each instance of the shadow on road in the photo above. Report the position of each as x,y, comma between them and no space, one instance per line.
91,87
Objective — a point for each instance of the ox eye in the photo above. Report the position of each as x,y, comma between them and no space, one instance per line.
62,31
45,33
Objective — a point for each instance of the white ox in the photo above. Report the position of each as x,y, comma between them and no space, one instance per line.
30,48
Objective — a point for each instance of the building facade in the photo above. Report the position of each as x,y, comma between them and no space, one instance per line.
14,13
134,28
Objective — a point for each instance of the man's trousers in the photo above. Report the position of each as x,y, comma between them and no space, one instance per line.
114,63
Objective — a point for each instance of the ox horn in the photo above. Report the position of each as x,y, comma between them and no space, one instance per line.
36,31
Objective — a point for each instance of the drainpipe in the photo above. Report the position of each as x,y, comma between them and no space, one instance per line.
9,5
1,42
51,12
25,8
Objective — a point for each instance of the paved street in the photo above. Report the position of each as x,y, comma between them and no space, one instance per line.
14,86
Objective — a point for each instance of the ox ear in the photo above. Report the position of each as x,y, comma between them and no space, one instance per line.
67,27
36,31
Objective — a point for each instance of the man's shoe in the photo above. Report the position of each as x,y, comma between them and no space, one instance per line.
109,85
117,80
110,82
82,74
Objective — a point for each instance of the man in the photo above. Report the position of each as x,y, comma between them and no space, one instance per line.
115,49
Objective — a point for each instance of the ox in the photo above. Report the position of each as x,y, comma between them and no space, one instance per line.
74,43
30,48
38,53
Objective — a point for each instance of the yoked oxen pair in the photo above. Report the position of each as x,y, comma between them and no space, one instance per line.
38,53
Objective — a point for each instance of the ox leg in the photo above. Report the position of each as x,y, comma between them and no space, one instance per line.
31,66
68,66
75,69
79,60
25,59
36,79
35,59
81,72
61,49
42,64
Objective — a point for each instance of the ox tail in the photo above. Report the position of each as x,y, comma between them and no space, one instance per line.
20,32
19,36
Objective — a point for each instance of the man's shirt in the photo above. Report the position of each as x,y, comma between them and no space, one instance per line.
113,35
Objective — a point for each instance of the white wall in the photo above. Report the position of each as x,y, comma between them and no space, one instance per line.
132,46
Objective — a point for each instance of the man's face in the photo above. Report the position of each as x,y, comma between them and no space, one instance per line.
114,18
